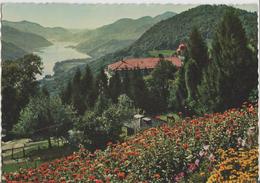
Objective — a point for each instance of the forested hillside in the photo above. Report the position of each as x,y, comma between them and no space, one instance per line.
27,41
169,33
50,33
115,36
10,51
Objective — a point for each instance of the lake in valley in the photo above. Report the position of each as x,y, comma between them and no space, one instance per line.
57,52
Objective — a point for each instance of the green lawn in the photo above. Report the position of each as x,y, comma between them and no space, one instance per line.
166,53
32,146
164,117
37,157
12,167
35,154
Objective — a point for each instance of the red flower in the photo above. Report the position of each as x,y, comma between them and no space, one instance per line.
91,177
116,170
98,181
107,179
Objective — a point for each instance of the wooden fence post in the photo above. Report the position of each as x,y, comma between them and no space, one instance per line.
12,153
24,150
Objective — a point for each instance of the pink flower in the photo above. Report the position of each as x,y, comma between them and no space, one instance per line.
179,176
197,161
191,167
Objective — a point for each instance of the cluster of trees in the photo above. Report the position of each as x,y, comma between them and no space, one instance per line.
45,117
148,93
218,78
27,108
88,105
105,104
104,123
18,85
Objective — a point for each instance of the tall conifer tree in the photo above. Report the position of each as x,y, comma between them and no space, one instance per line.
233,72
115,87
87,88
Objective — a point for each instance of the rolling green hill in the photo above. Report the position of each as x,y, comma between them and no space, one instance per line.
167,34
115,36
50,33
27,41
10,51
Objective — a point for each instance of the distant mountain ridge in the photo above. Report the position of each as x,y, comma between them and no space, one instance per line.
26,41
97,42
50,33
117,35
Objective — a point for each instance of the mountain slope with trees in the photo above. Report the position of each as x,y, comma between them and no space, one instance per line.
10,51
27,41
50,33
168,34
118,34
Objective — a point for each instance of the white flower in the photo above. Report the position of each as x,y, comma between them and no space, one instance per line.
243,143
201,153
189,157
211,157
239,141
206,147
251,131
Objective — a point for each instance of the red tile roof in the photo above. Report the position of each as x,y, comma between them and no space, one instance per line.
142,63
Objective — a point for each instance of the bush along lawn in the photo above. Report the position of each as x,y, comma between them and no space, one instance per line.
218,147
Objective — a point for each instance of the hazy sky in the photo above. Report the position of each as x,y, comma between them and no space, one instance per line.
88,15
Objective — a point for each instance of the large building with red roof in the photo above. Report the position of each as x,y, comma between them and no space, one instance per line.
143,65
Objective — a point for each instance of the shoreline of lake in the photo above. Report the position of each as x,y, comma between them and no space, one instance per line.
58,52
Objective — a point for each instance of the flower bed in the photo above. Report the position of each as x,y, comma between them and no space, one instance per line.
186,151
236,166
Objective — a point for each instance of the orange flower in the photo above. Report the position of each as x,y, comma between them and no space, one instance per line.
157,175
185,146
121,175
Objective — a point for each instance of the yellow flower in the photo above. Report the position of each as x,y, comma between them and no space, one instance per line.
242,165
